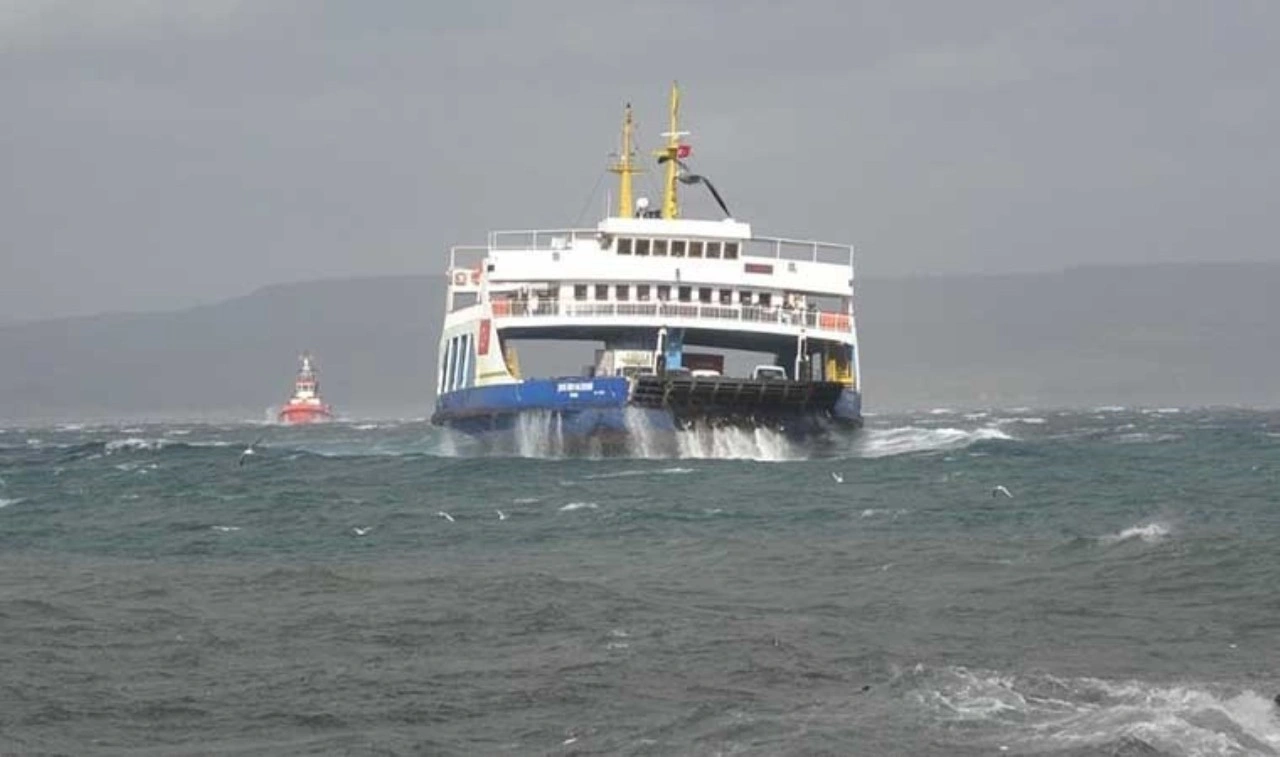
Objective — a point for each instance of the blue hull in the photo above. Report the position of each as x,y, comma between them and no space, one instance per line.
597,407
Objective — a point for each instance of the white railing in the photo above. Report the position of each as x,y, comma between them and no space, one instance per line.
473,255
816,319
778,248
798,249
540,239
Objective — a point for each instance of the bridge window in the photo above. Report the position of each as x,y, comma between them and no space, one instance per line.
624,246
664,292
622,292
579,292
744,297
660,247
704,294
686,294
713,249
642,246
677,248
726,296
602,292
695,249
731,250
642,292
765,300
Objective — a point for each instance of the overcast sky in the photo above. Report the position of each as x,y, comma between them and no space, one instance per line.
156,154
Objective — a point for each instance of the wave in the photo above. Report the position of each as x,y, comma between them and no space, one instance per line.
1035,712
1150,533
912,439
579,506
630,473
1143,437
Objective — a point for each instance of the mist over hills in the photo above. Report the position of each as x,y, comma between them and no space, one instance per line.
1166,335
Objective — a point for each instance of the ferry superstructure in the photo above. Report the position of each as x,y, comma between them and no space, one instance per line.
658,293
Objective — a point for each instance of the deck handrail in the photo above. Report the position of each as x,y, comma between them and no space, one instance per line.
778,248
539,239
464,248
823,320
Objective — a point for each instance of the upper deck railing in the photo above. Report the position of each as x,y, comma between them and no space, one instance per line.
778,248
552,308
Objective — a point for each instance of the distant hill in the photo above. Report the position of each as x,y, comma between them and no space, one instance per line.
1140,335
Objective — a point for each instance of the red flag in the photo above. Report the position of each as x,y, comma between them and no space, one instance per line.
682,151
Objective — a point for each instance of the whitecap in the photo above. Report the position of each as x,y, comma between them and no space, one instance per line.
1150,533
909,439
132,444
630,473
1142,437
579,506
1081,713
872,512
10,501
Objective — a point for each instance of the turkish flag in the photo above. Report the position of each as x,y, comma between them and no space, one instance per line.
682,151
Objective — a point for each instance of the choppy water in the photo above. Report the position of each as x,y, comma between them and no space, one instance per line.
372,589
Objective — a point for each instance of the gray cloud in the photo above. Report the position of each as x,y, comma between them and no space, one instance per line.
156,154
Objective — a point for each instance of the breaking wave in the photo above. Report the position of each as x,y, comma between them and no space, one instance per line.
1035,712
1150,533
912,439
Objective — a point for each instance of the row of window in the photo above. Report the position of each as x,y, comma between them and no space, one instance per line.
458,370
677,248
663,292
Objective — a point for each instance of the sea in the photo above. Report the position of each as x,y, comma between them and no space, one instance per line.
1100,581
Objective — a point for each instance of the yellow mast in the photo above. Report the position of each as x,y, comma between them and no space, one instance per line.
624,167
668,155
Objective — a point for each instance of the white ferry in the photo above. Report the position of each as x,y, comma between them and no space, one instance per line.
658,294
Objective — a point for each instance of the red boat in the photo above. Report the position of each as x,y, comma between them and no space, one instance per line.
305,406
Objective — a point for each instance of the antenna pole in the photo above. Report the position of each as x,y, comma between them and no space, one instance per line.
668,155
624,167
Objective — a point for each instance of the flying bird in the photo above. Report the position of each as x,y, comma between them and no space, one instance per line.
1000,489
501,515
837,477
362,531
445,515
250,450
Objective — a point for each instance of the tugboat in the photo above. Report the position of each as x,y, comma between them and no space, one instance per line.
646,285
305,406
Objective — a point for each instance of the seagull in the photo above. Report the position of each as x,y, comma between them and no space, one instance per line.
362,531
445,515
837,477
501,515
249,450
1001,490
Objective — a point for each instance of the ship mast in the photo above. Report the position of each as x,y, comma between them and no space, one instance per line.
624,167
669,155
